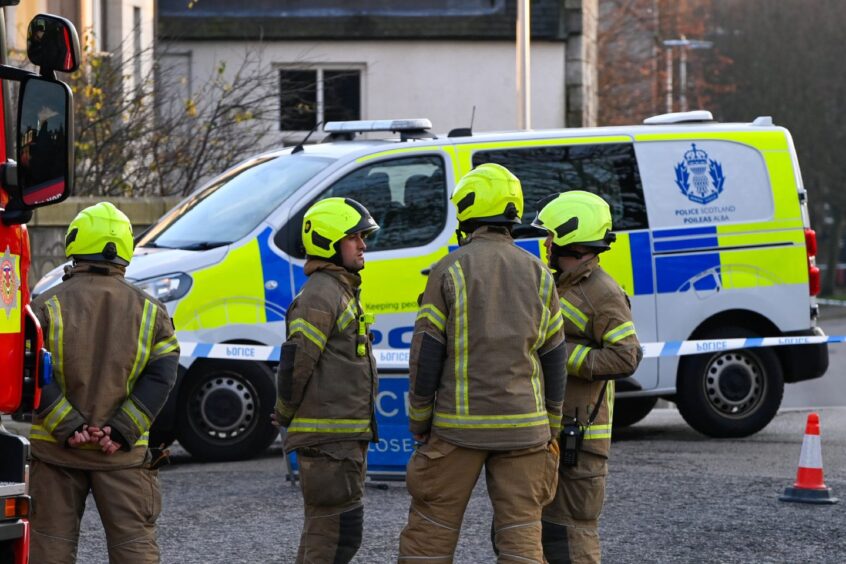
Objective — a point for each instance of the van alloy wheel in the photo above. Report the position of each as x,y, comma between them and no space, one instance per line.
224,408
734,384
729,393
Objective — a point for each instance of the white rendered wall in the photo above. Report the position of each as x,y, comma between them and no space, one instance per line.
439,80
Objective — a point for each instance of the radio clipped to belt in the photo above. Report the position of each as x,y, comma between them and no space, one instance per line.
573,433
365,320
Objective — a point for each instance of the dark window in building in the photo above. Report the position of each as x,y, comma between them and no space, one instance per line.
609,170
341,95
298,99
308,97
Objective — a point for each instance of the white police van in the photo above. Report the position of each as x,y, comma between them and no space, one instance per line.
714,241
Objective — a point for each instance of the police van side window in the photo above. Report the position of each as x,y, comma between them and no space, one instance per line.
406,196
609,170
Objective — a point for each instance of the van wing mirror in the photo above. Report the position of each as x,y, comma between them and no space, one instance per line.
52,44
45,142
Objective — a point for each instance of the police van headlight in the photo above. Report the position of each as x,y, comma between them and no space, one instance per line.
166,288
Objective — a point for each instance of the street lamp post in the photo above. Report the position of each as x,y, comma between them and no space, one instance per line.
685,44
524,72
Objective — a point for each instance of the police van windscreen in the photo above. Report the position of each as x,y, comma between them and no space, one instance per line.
234,204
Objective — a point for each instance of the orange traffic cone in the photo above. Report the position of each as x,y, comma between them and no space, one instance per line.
809,486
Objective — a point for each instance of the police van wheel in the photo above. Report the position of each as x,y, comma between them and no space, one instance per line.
628,411
224,410
730,393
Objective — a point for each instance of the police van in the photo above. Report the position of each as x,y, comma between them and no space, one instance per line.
713,241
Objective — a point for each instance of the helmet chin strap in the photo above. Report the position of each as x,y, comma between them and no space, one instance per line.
566,253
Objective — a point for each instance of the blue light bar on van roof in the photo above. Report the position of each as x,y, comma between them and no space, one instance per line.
377,125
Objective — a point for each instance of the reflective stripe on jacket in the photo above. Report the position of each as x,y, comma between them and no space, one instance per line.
114,363
601,341
328,393
494,309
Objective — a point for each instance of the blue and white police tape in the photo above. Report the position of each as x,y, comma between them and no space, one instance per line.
398,358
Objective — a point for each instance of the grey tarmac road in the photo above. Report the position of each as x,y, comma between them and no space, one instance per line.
672,496
831,388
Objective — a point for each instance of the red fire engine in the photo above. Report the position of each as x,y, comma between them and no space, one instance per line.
36,169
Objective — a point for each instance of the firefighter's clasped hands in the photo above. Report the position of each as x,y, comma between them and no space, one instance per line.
89,434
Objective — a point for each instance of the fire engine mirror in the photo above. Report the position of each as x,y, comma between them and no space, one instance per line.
45,148
52,44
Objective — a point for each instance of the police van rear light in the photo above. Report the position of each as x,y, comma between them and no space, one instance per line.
16,507
814,277
811,242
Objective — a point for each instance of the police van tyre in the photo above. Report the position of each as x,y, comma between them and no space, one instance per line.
730,393
224,410
628,411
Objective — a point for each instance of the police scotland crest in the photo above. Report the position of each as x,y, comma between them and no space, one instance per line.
9,283
698,177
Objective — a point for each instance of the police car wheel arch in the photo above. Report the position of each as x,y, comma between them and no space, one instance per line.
730,393
223,410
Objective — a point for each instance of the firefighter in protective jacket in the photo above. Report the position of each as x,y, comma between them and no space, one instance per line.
487,380
601,346
114,362
326,383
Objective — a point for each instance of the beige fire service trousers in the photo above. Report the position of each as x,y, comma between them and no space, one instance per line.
332,477
440,479
129,502
571,521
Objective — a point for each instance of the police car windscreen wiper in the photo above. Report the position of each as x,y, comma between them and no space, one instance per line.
203,245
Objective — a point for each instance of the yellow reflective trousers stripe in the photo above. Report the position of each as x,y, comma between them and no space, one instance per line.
619,333
304,425
462,393
309,331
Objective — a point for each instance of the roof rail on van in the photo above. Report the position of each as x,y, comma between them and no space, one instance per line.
679,117
417,128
